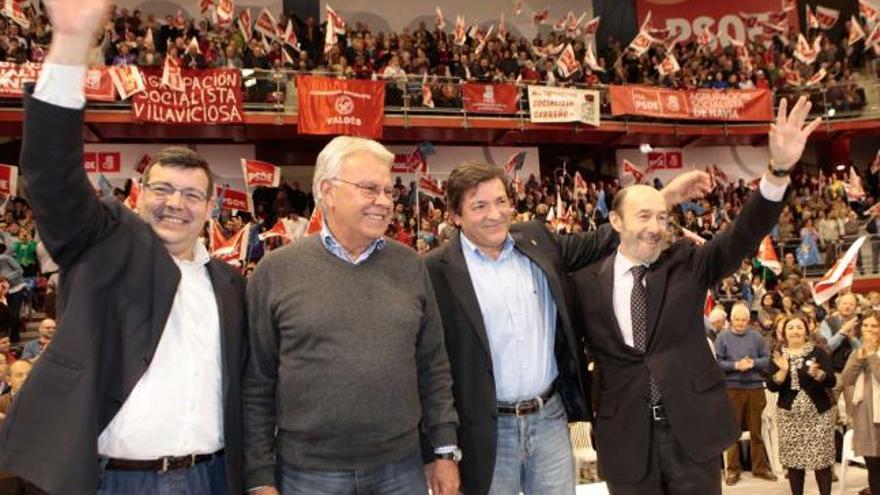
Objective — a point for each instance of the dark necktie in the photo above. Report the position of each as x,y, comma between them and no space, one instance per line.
639,314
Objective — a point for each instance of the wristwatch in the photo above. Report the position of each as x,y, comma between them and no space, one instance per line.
454,456
777,172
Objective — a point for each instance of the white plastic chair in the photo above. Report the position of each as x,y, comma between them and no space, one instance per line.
847,455
592,489
745,437
770,432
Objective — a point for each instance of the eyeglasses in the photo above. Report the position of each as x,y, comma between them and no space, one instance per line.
165,190
369,190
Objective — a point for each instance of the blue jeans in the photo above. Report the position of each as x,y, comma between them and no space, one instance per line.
533,453
406,477
205,478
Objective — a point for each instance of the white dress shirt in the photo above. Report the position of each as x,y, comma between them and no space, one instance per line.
177,406
623,278
621,299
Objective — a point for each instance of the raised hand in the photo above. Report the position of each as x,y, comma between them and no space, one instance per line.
788,136
849,328
71,17
815,371
687,186
74,24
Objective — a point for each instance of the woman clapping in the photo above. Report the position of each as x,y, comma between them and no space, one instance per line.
800,372
862,392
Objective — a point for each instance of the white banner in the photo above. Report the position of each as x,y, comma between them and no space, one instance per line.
548,104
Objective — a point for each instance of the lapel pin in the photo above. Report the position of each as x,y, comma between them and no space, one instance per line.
534,242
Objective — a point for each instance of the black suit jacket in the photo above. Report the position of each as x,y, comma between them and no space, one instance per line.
677,354
816,391
118,283
468,346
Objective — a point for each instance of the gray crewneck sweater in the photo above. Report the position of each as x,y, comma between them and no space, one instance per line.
345,360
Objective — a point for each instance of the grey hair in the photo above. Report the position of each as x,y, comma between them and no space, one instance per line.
337,151
717,314
740,308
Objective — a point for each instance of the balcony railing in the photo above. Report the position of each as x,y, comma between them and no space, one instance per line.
274,91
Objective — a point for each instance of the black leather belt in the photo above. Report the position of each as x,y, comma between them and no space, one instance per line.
161,465
525,407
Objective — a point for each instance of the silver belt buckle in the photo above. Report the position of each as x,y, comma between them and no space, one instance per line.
520,406
658,413
166,463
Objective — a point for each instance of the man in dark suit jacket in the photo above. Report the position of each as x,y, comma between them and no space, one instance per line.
663,415
145,371
505,299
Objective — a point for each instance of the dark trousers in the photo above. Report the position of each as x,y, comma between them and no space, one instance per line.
671,471
748,404
14,301
873,464
797,477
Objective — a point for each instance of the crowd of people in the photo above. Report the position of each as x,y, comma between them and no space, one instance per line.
154,329
142,38
820,209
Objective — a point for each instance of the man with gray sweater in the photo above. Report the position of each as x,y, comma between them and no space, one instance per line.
743,356
347,357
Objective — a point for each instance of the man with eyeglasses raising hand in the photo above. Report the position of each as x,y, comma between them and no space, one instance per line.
139,392
347,357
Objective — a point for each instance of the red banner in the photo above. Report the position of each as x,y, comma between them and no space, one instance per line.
410,163
686,19
233,199
8,181
209,97
99,85
257,173
490,98
701,104
13,77
339,106
102,162
663,160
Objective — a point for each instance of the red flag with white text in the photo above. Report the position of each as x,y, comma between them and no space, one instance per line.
260,174
224,12
827,17
630,169
337,106
840,275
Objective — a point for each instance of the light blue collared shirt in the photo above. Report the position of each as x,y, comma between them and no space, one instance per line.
519,314
334,247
